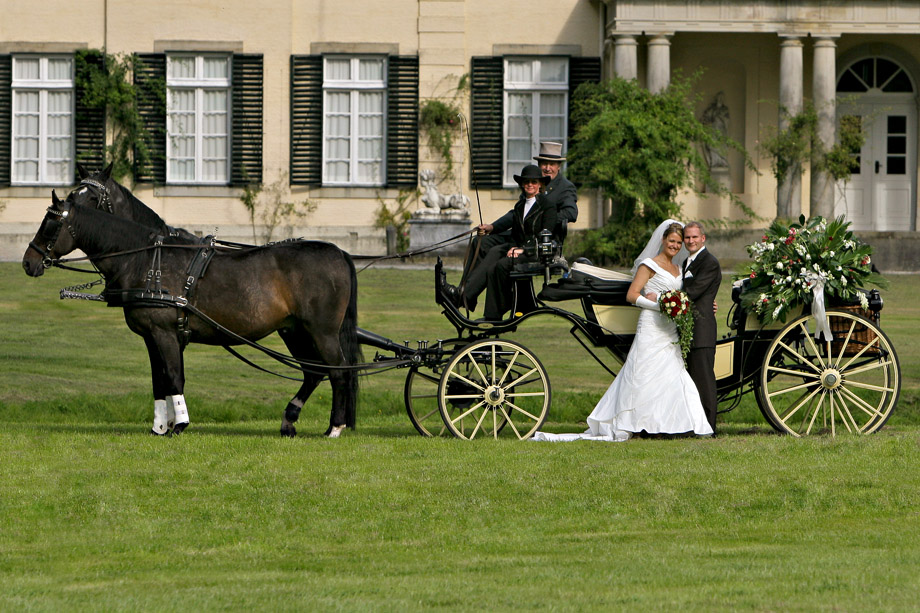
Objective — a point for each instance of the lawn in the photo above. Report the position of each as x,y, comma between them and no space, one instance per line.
97,515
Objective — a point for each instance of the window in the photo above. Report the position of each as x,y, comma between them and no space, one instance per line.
536,109
42,131
198,118
354,120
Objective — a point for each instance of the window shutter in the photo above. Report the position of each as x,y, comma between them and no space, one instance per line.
486,95
6,115
402,121
246,144
581,70
150,83
306,120
89,123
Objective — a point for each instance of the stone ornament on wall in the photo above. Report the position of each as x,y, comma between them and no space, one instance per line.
438,205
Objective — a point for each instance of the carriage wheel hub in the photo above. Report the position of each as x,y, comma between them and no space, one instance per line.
831,378
494,395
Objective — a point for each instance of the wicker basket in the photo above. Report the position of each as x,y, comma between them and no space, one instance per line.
861,336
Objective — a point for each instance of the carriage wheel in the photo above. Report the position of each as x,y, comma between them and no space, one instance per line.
491,386
421,396
850,383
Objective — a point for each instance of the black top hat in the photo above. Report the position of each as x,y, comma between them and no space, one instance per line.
531,171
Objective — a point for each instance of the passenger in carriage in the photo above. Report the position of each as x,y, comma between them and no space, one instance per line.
532,213
559,191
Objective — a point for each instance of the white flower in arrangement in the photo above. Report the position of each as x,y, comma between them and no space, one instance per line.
822,226
868,260
763,297
777,310
831,254
863,301
849,244
839,268
808,257
800,249
779,266
771,246
803,271
843,280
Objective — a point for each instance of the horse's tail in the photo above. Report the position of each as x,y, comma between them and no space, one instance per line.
351,348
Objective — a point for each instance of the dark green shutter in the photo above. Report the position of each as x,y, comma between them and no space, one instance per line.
246,165
6,117
89,123
402,121
581,70
150,84
486,101
306,120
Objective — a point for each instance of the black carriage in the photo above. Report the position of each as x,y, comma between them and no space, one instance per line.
483,384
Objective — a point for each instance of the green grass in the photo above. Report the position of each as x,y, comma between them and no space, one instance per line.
97,515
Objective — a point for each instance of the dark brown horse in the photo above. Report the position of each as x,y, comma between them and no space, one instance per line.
306,290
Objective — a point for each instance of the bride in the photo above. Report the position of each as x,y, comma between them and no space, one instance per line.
653,391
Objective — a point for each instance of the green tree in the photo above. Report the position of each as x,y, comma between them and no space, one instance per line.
641,149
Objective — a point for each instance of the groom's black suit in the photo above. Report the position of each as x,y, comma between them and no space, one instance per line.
701,283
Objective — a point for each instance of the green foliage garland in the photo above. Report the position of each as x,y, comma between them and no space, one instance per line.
440,121
398,216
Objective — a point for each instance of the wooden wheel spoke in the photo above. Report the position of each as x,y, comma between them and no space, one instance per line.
844,411
482,375
511,423
874,341
861,404
517,382
508,369
428,414
421,396
790,389
846,342
801,358
795,373
427,377
523,394
867,367
467,412
799,406
814,415
465,380
867,386
811,342
520,410
478,424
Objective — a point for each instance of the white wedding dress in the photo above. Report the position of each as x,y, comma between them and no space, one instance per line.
653,391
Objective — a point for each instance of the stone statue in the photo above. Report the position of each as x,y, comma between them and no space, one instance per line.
436,202
716,117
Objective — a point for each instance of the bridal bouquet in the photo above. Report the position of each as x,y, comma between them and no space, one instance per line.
793,264
676,306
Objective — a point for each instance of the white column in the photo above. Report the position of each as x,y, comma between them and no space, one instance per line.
824,88
789,191
658,74
625,57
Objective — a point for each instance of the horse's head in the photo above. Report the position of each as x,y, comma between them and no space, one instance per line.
50,242
95,190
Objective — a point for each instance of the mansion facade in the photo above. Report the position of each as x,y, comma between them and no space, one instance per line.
321,102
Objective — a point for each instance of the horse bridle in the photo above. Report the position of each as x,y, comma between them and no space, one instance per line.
50,231
102,200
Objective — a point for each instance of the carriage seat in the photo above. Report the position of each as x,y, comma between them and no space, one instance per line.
601,285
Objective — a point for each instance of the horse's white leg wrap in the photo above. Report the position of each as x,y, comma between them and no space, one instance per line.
160,421
336,431
170,416
177,405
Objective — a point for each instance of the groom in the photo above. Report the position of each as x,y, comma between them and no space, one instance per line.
702,276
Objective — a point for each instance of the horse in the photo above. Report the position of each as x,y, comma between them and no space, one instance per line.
304,290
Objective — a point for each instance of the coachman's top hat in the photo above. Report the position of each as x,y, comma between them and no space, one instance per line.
550,152
531,172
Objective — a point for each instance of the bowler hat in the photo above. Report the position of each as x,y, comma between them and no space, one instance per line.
550,152
531,172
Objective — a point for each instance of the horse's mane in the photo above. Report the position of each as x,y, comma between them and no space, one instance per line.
103,233
143,214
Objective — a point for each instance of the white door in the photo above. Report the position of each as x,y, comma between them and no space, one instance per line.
881,194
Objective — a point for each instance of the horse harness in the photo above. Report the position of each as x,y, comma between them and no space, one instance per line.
153,294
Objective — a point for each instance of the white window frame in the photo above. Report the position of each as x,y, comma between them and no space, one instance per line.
355,86
537,87
199,84
43,85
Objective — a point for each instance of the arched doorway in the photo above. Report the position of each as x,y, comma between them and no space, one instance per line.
881,194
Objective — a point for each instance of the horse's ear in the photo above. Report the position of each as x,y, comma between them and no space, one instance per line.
81,171
54,198
107,172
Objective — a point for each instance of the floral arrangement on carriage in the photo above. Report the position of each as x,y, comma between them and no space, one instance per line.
807,263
